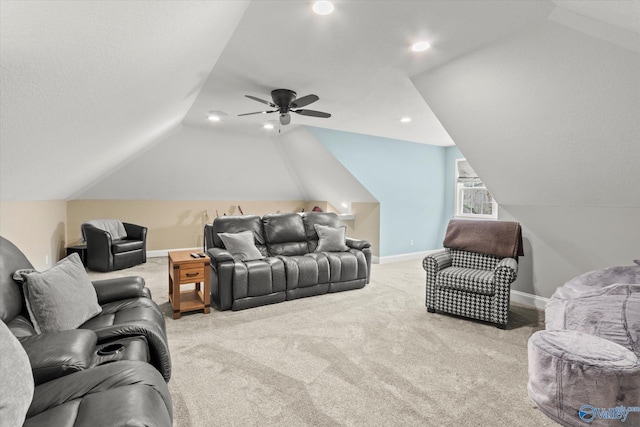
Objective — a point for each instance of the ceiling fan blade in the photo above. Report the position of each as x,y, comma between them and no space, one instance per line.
257,112
305,100
312,113
270,104
285,119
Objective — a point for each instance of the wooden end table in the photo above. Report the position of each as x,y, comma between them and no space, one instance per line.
184,269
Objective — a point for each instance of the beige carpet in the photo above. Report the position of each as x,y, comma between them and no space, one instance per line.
368,357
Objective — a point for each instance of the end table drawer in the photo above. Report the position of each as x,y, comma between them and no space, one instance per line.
189,275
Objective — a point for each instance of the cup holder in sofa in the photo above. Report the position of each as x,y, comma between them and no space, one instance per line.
111,349
130,348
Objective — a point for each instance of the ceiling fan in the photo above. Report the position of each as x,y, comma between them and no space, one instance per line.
285,102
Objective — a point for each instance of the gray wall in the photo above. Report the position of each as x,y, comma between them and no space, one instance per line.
549,118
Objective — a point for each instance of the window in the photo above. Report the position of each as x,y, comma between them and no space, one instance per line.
473,200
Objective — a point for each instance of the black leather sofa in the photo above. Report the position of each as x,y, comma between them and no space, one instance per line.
111,370
291,267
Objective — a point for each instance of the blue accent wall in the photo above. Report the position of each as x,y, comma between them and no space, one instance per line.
408,179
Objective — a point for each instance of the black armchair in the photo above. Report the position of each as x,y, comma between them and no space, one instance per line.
108,251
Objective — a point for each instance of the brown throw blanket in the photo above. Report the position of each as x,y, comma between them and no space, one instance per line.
498,238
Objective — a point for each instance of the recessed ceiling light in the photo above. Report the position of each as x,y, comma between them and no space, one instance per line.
322,7
268,126
420,46
405,119
216,116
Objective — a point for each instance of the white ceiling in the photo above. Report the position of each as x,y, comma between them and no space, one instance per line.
357,60
87,85
619,13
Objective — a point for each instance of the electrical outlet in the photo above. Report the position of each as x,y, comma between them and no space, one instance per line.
411,242
46,260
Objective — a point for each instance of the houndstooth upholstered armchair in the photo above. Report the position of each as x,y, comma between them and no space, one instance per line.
472,275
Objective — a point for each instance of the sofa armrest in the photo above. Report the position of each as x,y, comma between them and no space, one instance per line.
56,354
437,261
120,288
506,271
96,236
432,264
135,232
357,243
220,255
99,242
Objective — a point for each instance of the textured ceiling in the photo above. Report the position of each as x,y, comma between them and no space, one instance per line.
87,85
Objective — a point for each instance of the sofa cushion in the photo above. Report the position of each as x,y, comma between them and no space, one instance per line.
60,298
236,224
121,246
467,279
284,234
303,271
347,266
474,260
241,245
331,239
310,219
116,394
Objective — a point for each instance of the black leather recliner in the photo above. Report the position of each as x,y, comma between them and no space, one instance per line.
78,380
129,316
106,253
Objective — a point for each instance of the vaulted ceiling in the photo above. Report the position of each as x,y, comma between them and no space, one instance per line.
88,85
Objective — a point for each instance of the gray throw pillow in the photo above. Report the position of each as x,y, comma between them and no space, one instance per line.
331,239
60,298
16,387
241,245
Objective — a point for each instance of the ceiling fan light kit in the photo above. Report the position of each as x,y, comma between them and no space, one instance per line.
285,101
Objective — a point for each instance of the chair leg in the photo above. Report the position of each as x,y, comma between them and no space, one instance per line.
431,309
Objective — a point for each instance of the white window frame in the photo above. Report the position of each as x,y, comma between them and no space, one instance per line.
459,190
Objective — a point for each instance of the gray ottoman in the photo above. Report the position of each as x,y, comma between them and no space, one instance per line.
584,368
572,375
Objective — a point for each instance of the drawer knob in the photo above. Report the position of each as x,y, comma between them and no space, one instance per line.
193,274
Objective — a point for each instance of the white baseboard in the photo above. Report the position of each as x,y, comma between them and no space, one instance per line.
528,299
402,257
165,252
